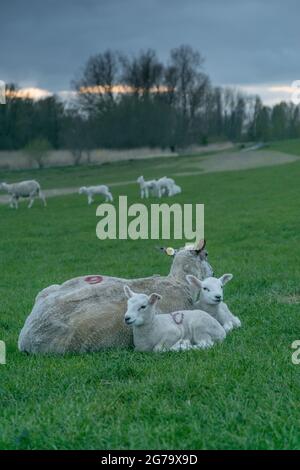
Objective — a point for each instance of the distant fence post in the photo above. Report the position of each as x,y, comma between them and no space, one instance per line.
2,352
2,92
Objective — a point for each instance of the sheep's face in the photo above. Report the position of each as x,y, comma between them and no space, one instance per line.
140,179
2,186
82,190
190,260
140,307
211,288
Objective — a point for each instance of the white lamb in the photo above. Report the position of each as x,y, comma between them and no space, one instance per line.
30,189
180,330
211,300
86,313
175,189
147,187
164,186
91,191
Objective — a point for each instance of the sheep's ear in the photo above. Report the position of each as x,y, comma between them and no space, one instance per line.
153,298
200,245
128,292
225,278
168,251
193,280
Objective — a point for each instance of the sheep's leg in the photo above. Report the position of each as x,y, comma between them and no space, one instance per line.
236,322
31,199
227,319
90,199
43,198
146,193
182,345
203,342
159,348
109,197
11,202
14,202
228,326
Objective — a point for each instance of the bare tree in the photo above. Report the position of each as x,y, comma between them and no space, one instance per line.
143,73
38,150
99,82
78,136
188,86
187,76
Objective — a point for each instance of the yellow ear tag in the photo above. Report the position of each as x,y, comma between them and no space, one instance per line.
170,251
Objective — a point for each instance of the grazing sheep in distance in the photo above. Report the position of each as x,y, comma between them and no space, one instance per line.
211,300
91,191
87,313
164,186
147,187
175,189
30,189
183,329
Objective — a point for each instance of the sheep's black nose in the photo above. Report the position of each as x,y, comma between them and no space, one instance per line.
218,297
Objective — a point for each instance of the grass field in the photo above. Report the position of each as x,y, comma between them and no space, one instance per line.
291,146
242,394
76,176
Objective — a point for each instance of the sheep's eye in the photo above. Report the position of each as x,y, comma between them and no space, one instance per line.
143,306
206,288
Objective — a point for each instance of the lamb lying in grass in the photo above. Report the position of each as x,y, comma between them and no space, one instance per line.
91,191
175,189
30,189
183,329
87,313
211,300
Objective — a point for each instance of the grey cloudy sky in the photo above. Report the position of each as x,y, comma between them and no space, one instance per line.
249,43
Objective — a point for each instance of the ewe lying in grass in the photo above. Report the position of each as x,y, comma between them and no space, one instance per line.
211,299
183,329
91,191
30,189
87,313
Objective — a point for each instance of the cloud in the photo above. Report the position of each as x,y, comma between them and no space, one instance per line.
245,42
270,93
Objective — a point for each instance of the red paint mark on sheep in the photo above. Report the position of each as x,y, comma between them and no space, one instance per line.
177,317
93,279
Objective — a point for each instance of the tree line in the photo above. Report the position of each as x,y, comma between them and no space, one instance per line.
132,101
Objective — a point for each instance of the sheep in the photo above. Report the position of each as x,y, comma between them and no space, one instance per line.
30,189
211,300
86,313
90,191
180,330
175,189
164,186
147,187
